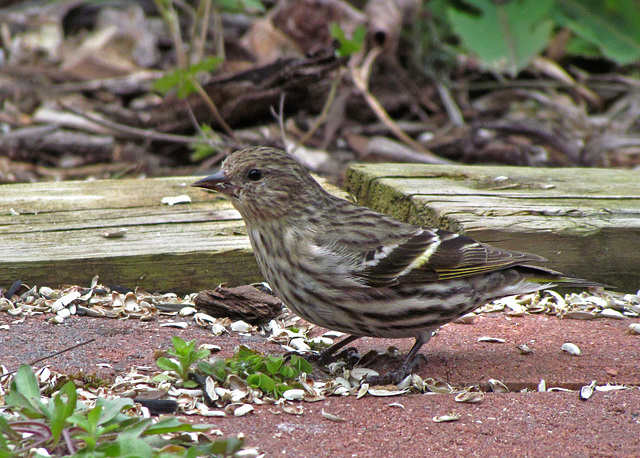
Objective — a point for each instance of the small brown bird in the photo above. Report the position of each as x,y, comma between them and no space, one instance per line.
351,269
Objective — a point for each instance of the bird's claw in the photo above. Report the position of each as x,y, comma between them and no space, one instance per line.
395,377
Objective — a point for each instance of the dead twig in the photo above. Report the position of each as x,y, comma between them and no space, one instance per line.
134,132
360,77
324,113
36,361
214,109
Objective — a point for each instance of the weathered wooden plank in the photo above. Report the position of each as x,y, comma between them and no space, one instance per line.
57,237
585,221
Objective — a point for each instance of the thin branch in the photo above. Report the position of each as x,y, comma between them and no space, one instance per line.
450,105
214,110
324,113
279,116
36,361
133,131
360,77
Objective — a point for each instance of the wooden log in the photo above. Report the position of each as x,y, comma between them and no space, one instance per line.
240,303
585,221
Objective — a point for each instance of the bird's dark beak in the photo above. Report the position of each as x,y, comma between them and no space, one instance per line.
218,182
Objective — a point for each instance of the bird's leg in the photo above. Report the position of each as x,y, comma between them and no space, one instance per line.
398,375
326,355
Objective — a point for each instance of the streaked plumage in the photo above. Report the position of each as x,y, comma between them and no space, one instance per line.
351,269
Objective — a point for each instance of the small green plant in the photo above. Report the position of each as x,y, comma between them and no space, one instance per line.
184,81
347,46
186,355
204,150
64,426
271,374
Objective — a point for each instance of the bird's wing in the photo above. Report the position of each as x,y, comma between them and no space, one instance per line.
432,255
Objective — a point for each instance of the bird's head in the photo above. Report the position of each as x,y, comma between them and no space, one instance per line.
264,184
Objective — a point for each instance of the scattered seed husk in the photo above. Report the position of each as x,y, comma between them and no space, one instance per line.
321,340
114,233
491,339
587,390
396,404
381,391
446,418
362,390
240,326
470,397
524,349
330,416
611,313
187,311
580,315
292,409
497,386
571,348
607,388
217,329
299,344
241,410
184,199
634,328
438,386
392,352
333,334
175,324
294,394
361,373
542,386
468,318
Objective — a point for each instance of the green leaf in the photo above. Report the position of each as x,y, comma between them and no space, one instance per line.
273,364
205,65
288,372
280,389
218,369
612,26
112,408
181,347
61,410
167,365
301,364
347,46
133,447
169,81
505,36
201,354
240,6
244,352
225,447
183,81
174,425
262,381
24,394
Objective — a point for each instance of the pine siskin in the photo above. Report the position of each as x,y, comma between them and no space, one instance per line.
348,268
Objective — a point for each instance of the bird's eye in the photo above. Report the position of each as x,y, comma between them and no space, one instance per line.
254,174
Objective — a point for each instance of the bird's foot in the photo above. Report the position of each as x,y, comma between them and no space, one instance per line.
327,356
395,377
